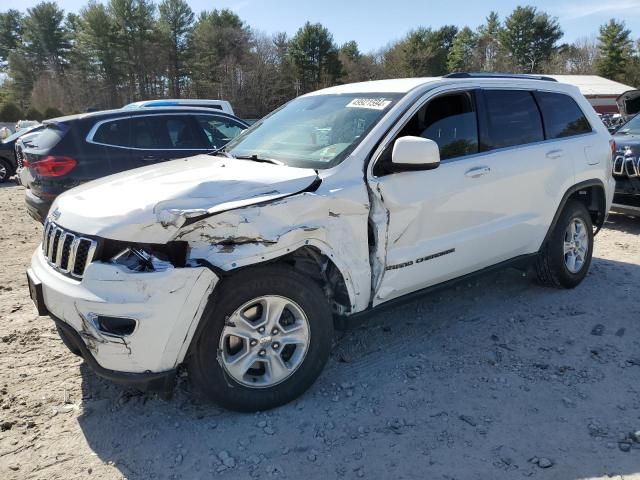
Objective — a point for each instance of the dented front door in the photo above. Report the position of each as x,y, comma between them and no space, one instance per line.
439,225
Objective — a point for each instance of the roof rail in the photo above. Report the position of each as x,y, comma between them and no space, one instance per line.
498,75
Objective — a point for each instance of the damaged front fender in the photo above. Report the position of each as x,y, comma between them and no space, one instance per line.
332,221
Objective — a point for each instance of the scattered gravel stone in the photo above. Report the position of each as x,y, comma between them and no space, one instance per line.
545,463
624,446
262,424
598,330
468,419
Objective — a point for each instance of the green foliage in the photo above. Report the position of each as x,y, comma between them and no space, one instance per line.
34,114
425,51
530,38
616,49
176,19
113,52
52,112
10,33
10,112
315,57
461,55
45,37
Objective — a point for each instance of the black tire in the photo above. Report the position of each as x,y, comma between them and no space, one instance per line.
210,377
6,170
68,343
551,267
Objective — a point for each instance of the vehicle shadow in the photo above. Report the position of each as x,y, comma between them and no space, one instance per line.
10,183
491,378
623,223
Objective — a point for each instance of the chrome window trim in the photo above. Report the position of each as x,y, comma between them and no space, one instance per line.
94,129
449,89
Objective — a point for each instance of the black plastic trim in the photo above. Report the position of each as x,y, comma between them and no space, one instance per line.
147,381
578,186
521,262
498,75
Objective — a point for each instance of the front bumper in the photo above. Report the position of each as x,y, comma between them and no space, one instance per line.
166,306
147,381
37,207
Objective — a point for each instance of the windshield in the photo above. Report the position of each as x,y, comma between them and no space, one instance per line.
317,131
632,127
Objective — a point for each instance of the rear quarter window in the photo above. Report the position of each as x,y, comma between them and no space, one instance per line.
116,132
512,119
561,114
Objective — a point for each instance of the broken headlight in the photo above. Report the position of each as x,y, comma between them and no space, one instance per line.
140,260
144,257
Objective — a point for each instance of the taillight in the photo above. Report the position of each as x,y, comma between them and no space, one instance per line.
52,166
614,147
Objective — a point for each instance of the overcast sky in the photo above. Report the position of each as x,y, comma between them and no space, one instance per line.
375,23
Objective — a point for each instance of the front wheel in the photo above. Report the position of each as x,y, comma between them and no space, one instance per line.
266,337
565,259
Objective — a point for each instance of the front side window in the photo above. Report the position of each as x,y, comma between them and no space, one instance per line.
218,130
513,118
562,115
449,120
317,131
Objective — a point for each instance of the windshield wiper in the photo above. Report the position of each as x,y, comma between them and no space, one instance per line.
221,153
256,158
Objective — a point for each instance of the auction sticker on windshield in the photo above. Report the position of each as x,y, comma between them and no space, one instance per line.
370,103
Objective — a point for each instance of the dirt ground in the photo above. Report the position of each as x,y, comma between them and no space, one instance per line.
493,379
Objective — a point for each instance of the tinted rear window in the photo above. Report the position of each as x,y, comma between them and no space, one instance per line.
513,118
50,136
116,133
562,115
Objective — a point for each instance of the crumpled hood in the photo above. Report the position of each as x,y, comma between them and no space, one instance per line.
150,204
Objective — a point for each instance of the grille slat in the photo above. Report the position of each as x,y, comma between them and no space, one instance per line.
66,252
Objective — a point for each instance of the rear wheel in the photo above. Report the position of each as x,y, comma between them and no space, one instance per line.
565,259
266,337
5,170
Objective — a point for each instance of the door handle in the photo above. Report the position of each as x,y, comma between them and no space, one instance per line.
477,172
553,154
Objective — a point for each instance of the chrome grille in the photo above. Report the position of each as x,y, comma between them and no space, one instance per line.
626,165
19,156
67,252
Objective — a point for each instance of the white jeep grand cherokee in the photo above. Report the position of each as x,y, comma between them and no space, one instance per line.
344,199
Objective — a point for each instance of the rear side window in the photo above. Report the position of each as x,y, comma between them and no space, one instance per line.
50,136
513,119
115,133
562,115
166,132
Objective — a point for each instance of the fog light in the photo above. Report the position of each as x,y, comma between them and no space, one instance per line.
115,325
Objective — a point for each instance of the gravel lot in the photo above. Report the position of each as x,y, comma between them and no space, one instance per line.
494,379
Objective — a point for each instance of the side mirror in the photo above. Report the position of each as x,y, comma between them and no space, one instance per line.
414,153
